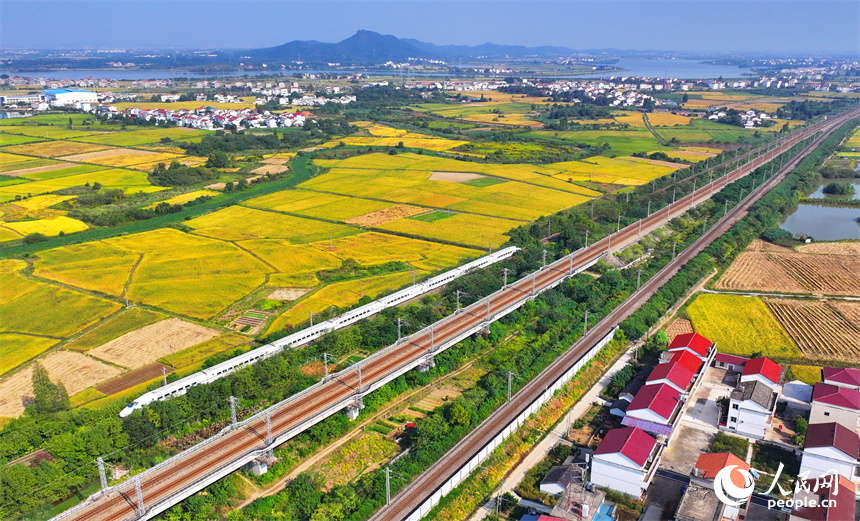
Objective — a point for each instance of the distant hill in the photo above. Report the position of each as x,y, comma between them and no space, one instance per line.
368,47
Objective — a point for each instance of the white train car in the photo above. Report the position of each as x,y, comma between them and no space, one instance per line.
307,335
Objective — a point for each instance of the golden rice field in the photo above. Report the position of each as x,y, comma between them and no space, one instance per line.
186,197
740,325
123,157
15,349
49,227
384,136
128,180
95,266
37,207
49,132
132,138
854,140
125,321
291,258
667,119
55,148
316,204
634,119
412,184
237,223
476,231
620,170
340,294
37,308
378,248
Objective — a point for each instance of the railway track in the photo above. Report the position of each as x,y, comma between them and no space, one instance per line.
169,482
406,503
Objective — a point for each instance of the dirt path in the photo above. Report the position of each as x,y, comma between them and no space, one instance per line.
660,138
276,486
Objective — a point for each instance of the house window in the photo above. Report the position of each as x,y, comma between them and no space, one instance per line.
826,414
734,419
735,406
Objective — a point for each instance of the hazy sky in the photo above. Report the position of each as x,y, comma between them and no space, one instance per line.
683,25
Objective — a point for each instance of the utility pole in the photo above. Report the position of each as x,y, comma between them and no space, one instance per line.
533,284
674,244
693,195
585,326
413,278
586,238
726,208
618,225
639,279
102,474
232,412
649,208
359,376
505,284
325,357
138,492
458,302
488,310
432,340
387,486
164,375
268,428
398,321
544,259
510,376
311,313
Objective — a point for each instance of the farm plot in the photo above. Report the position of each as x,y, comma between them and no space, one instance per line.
199,352
820,331
48,227
124,322
831,248
667,119
289,258
186,197
808,374
54,148
58,170
376,248
465,229
133,378
15,349
133,138
849,310
827,274
74,370
9,139
50,132
128,180
364,453
37,308
621,142
385,215
740,326
121,157
316,204
757,271
96,266
382,136
240,223
621,171
634,119
340,295
149,343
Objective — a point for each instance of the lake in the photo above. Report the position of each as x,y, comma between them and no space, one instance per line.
823,223
682,69
819,194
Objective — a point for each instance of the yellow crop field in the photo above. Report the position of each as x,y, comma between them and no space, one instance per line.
293,280
15,349
198,353
505,118
470,192
316,204
621,170
11,159
51,310
808,374
667,119
116,326
634,119
12,284
96,266
55,148
87,395
129,180
292,259
854,140
740,325
49,227
121,157
472,230
390,137
340,294
8,235
131,138
49,132
186,197
239,223
377,248
37,207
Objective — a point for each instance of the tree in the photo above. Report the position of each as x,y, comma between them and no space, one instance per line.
458,414
218,159
685,99
48,396
800,425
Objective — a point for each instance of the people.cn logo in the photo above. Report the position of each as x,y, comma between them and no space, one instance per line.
726,490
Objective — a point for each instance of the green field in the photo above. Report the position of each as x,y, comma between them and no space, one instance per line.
130,180
622,142
143,137
125,322
705,130
740,326
9,139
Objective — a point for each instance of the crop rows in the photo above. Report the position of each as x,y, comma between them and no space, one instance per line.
819,330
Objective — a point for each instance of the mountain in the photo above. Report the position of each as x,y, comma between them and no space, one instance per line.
364,47
368,48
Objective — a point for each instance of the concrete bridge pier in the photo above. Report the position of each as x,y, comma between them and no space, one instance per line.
426,365
354,408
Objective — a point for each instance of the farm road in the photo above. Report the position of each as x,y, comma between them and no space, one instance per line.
782,295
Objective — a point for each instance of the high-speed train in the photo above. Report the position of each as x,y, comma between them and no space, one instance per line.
312,333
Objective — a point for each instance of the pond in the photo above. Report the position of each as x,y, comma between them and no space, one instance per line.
819,194
823,223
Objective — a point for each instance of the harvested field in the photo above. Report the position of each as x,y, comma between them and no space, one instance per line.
76,371
55,148
850,310
270,169
679,326
831,248
111,152
818,329
385,215
757,271
276,161
288,294
760,245
138,348
128,380
823,274
34,170
455,177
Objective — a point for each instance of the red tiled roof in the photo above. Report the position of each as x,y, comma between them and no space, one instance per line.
711,464
632,442
694,341
659,398
842,505
844,375
833,435
688,360
838,396
675,373
730,359
763,366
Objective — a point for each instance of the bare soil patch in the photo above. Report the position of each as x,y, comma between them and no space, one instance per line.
818,329
392,213
313,369
823,274
679,326
149,343
129,380
216,186
760,245
276,161
455,177
757,271
288,294
37,169
76,371
270,169
831,248
89,156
